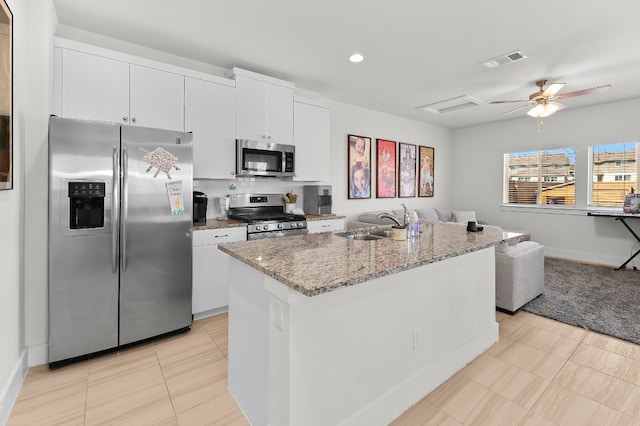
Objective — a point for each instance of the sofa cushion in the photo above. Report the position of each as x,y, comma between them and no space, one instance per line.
463,216
444,214
429,214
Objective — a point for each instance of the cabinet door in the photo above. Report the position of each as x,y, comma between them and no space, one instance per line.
209,112
329,225
280,114
251,109
156,98
311,138
94,87
210,268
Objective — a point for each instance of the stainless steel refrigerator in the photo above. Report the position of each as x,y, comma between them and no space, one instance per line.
120,223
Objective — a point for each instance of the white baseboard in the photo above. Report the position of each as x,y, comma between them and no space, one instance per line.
207,314
10,393
38,354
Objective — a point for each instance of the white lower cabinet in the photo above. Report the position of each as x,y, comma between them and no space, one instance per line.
211,268
329,225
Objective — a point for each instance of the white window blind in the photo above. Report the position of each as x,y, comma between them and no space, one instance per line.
540,177
614,171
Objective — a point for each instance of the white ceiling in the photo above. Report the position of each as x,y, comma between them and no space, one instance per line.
416,51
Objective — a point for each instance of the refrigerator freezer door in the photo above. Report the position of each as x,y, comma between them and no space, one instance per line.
83,282
155,282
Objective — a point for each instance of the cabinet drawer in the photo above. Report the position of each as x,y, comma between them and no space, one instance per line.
328,225
219,236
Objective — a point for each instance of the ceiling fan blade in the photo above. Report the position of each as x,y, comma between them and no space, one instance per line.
527,105
584,92
559,104
508,102
553,89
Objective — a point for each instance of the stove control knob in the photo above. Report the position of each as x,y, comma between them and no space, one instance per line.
300,224
257,227
266,227
279,226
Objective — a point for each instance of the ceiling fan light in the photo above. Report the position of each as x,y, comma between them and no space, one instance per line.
543,110
356,58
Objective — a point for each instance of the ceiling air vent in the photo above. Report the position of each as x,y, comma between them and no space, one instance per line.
450,105
504,59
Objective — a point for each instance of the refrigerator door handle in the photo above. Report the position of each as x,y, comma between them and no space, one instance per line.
125,196
115,211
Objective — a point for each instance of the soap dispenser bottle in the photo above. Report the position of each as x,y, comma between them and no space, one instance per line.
414,225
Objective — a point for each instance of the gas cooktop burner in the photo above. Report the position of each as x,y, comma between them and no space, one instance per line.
265,216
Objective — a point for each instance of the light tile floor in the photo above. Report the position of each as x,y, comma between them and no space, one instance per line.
541,372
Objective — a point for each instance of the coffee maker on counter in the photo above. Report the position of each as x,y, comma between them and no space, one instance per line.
317,199
199,207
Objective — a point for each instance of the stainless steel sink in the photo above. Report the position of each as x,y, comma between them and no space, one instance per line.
374,234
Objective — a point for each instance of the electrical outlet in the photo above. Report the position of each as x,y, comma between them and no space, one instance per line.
416,339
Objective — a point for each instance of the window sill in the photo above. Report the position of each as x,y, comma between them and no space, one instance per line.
546,209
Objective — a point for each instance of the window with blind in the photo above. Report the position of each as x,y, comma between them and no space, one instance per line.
540,177
614,170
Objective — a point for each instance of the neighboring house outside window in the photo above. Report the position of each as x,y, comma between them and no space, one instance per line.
614,168
540,177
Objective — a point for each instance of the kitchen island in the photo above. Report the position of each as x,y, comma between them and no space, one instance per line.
329,330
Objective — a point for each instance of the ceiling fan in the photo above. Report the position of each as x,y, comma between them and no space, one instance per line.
544,102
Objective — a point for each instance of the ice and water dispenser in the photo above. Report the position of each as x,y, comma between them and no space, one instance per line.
86,205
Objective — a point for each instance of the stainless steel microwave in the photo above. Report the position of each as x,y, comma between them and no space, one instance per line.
258,158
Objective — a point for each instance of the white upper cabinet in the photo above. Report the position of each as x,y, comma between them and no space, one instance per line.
155,98
209,112
94,87
264,107
97,84
311,130
280,114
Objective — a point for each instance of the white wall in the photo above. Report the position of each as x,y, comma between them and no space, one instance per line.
42,23
477,160
12,227
33,27
348,119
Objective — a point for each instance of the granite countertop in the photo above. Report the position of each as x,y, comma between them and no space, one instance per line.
218,224
313,264
231,223
323,217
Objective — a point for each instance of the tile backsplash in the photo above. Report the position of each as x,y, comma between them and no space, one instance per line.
220,188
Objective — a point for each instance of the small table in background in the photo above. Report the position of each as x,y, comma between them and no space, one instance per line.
621,216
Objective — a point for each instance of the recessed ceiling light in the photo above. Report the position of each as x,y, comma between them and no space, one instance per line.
356,57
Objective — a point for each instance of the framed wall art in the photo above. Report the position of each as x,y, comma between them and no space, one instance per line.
6,96
359,166
407,170
426,169
386,175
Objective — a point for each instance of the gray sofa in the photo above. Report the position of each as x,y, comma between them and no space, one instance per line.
433,215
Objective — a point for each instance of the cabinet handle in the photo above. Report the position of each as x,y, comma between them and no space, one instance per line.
326,226
133,120
221,236
268,137
125,118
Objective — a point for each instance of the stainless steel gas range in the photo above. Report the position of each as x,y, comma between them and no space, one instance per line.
265,216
